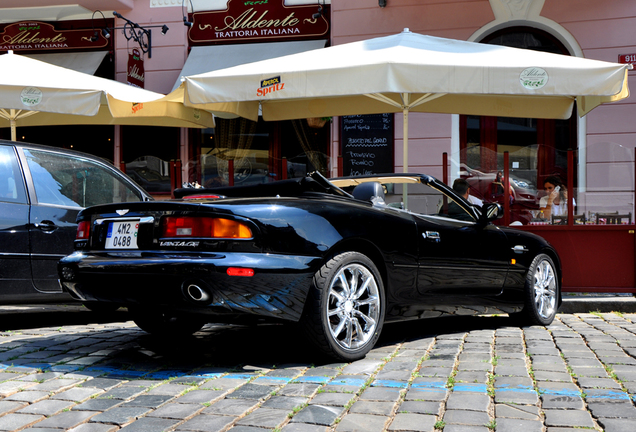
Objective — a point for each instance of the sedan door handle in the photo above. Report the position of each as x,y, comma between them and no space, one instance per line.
46,226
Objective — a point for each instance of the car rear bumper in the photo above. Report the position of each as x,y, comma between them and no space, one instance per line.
193,282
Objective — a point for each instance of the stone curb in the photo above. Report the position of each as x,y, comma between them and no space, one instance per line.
598,304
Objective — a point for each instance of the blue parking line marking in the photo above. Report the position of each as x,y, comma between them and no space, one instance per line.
272,379
515,388
609,394
470,387
239,376
429,384
389,383
43,366
562,392
164,375
435,391
64,368
207,375
312,379
502,391
347,381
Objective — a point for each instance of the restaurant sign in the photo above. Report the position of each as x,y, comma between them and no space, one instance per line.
136,74
246,21
37,36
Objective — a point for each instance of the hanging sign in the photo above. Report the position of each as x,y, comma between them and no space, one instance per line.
136,75
245,21
38,36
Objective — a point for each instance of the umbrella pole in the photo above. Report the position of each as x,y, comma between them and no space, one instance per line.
13,131
405,138
405,132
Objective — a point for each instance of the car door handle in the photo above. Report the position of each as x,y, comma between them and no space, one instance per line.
46,226
431,236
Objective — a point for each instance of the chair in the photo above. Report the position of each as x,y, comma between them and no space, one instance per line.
563,220
613,218
559,220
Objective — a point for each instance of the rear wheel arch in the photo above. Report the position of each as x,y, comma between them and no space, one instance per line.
366,248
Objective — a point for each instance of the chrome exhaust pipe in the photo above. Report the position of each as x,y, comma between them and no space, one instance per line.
194,292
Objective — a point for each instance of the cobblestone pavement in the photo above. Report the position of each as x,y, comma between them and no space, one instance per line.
470,375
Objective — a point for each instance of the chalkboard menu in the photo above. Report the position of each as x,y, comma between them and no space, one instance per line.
367,144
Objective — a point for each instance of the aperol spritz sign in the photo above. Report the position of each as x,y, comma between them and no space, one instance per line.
259,20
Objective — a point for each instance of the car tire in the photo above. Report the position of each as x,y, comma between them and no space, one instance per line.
99,307
541,292
345,323
165,324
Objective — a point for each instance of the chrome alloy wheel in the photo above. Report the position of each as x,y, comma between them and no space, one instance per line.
353,306
545,289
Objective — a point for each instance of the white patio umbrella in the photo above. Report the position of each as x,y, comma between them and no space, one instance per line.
35,93
409,72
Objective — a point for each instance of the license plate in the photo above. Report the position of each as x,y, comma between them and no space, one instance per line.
122,235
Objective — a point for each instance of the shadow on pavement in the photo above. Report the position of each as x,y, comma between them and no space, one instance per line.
220,345
19,317
226,345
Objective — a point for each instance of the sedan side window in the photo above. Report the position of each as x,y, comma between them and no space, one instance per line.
75,181
11,183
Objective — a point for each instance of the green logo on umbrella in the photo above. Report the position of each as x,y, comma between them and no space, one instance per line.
31,96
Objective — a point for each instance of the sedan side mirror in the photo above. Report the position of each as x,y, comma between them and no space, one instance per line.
490,212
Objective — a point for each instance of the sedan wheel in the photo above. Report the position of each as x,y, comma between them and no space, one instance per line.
542,291
345,309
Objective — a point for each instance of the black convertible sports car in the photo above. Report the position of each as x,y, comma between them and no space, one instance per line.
340,257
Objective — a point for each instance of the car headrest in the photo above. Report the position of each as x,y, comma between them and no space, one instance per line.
370,191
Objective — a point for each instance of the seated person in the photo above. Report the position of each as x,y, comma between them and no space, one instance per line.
556,201
461,187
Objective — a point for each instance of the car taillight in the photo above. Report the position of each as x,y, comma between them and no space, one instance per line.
83,230
206,227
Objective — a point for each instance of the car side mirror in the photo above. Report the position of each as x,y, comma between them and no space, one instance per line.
491,212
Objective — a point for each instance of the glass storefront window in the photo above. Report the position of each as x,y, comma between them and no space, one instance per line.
242,141
305,148
259,151
607,198
147,152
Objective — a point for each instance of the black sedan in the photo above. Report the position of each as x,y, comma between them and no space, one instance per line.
42,189
339,257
